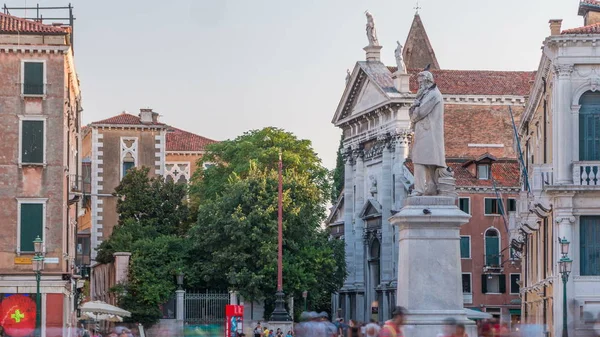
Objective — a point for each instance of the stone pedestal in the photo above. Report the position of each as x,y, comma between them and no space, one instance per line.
429,270
373,53
401,81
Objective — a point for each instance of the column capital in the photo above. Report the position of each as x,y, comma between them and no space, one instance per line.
565,219
563,70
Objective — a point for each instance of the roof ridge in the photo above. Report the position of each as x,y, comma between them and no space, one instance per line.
587,29
14,24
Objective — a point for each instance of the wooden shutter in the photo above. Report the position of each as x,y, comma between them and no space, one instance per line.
34,78
502,282
32,142
589,245
464,247
463,204
32,218
483,283
489,203
589,126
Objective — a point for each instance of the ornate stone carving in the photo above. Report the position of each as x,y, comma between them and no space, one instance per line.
594,83
563,70
371,32
348,75
565,219
373,189
446,185
179,172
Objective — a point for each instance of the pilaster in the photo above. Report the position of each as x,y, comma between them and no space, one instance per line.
562,123
349,218
359,224
387,233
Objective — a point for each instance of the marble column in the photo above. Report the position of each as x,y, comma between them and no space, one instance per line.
562,123
401,153
359,225
387,244
348,220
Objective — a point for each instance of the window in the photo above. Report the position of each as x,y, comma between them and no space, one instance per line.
128,163
33,73
514,283
208,165
465,205
31,219
493,207
466,283
32,141
589,126
483,171
493,283
589,229
512,205
492,248
465,247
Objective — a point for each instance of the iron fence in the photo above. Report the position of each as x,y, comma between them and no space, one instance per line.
202,308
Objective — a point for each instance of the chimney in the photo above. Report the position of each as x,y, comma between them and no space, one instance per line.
555,26
147,116
590,10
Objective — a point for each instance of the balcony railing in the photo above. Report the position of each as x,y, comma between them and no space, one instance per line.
467,298
493,261
541,176
586,173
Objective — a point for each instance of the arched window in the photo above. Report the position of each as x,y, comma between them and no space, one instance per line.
492,247
589,126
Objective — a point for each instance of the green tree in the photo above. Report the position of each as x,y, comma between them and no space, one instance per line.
235,237
153,222
337,175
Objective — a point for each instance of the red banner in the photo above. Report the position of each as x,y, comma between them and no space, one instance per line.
234,320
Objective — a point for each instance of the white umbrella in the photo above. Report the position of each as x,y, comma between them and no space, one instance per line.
99,307
104,317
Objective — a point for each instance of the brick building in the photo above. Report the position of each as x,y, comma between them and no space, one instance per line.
479,139
112,146
40,111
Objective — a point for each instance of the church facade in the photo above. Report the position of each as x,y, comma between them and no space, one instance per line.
373,116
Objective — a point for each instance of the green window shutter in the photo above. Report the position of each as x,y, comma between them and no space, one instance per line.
463,204
489,206
464,247
32,142
34,78
492,251
32,219
483,283
589,126
589,245
502,283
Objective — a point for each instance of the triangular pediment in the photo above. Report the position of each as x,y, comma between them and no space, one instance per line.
362,93
371,209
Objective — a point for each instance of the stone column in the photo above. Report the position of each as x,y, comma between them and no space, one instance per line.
359,225
401,193
180,315
562,122
387,231
429,272
565,221
348,220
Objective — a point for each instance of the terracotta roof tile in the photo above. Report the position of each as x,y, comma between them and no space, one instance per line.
506,173
125,119
180,140
590,29
478,82
13,25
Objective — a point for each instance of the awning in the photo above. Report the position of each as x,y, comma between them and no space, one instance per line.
103,317
99,307
475,314
515,311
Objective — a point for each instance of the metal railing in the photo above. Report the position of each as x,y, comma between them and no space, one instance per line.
493,260
205,308
79,184
586,173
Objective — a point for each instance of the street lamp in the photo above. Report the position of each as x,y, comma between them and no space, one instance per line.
38,265
564,267
305,296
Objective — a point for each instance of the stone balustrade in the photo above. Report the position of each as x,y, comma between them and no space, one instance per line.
541,176
586,173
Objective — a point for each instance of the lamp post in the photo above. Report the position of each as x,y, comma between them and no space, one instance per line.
305,296
564,267
180,280
38,266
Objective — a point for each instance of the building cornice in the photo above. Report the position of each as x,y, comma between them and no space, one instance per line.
487,189
127,126
186,153
485,99
45,49
536,91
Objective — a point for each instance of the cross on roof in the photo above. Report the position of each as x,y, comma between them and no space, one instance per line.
417,8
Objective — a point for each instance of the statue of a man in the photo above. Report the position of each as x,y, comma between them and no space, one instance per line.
427,118
371,32
399,61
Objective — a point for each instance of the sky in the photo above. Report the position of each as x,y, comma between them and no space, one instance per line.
219,68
